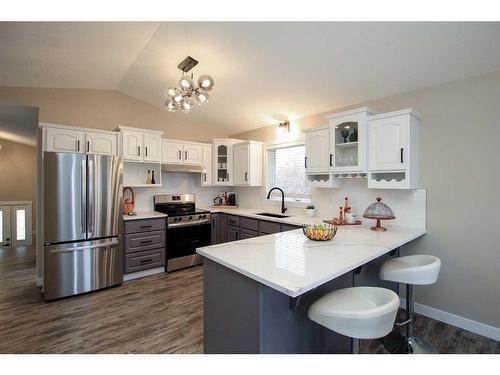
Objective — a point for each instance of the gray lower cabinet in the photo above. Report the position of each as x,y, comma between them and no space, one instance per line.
233,233
268,227
287,227
230,227
218,228
144,244
246,233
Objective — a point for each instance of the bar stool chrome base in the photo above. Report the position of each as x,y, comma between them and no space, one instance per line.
416,345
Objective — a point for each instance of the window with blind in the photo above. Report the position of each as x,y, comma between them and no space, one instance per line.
285,169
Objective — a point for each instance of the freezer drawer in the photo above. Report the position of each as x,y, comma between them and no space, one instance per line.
80,267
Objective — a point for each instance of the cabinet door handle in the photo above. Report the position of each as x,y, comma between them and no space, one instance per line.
180,154
402,150
305,162
78,145
138,150
146,226
146,150
146,260
147,241
246,176
205,177
88,146
331,160
185,155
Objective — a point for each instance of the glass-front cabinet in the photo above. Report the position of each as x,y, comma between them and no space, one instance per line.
348,141
223,161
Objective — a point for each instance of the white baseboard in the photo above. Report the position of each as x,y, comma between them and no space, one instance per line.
139,274
39,281
455,320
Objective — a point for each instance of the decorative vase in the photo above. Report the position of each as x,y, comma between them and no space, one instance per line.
310,212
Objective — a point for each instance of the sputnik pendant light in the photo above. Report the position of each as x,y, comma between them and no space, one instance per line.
186,93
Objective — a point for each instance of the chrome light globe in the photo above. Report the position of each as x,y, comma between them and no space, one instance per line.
186,84
205,82
187,105
178,98
171,106
172,92
201,97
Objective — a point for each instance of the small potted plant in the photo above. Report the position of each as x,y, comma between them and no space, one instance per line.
310,211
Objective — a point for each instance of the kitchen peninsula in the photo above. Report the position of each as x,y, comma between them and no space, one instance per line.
257,291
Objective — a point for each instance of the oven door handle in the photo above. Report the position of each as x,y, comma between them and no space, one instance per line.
182,225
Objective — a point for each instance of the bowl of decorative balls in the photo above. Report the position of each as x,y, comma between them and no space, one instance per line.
320,232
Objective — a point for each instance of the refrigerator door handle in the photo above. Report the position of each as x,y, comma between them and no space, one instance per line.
88,247
83,199
92,192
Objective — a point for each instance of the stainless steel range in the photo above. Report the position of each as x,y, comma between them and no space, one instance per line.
187,229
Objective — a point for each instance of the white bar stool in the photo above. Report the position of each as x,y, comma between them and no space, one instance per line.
412,270
359,312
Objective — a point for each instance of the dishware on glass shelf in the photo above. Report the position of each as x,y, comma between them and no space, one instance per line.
345,133
379,211
352,159
353,137
321,232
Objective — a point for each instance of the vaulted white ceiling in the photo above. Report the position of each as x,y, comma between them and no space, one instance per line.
264,72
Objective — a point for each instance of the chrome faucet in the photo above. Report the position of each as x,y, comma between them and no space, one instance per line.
283,208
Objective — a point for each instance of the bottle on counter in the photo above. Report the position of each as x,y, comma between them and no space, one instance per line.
148,178
153,181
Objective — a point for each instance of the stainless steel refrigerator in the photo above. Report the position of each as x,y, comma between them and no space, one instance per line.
83,223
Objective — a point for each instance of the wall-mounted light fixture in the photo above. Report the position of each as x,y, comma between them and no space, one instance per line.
284,127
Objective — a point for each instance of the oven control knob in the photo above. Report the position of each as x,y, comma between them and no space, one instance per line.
174,219
200,217
190,218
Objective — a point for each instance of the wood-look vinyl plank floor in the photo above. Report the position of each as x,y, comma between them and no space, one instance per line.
156,314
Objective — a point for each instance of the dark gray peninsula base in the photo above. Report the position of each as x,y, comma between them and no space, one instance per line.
242,315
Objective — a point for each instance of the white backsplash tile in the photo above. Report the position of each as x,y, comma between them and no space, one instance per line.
409,206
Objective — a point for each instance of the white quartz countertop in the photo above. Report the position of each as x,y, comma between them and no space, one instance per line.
293,264
144,215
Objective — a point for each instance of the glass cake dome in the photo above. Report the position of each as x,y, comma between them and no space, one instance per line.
379,211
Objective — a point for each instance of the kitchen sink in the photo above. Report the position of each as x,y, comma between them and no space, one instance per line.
279,216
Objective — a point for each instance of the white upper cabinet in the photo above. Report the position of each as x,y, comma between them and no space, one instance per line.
393,150
63,140
317,150
178,152
247,163
132,145
388,142
152,147
206,178
171,152
193,154
100,143
348,140
140,144
241,163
